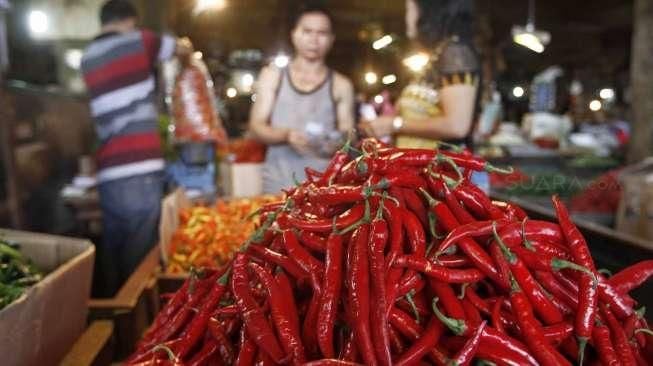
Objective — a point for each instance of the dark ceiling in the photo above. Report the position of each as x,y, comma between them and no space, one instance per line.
591,39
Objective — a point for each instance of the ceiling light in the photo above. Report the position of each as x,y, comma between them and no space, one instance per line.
38,22
417,62
371,77
281,60
247,80
595,105
378,99
382,42
232,92
204,5
518,91
389,79
606,93
73,58
528,36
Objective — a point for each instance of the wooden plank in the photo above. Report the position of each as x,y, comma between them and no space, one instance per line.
94,347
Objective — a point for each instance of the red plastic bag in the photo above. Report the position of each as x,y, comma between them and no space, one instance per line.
193,107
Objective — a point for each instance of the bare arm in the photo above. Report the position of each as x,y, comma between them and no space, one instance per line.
262,109
457,102
344,93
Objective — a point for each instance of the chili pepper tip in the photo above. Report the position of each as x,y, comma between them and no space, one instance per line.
582,343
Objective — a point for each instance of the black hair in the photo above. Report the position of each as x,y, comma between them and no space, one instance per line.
310,7
439,19
117,10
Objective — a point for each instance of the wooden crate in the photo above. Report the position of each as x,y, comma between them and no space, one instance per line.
134,306
94,348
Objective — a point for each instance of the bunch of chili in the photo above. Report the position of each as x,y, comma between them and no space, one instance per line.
395,257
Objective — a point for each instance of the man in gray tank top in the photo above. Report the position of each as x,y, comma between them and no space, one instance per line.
302,112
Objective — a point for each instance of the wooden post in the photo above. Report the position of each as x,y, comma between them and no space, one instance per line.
641,142
13,202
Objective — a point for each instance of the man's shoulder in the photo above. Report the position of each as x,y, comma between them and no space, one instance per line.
341,84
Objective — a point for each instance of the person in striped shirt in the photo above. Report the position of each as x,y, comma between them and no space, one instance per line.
118,68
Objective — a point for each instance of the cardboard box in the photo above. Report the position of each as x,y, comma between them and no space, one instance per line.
635,213
241,179
41,326
170,206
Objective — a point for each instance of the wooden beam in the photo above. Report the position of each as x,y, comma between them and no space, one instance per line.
642,82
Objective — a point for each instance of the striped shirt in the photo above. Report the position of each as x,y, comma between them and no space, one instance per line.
118,71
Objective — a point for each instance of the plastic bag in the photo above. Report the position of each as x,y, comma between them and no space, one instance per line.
194,111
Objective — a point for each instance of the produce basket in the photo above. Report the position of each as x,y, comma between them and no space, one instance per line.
40,326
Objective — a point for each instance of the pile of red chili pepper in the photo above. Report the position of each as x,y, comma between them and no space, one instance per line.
392,256
601,195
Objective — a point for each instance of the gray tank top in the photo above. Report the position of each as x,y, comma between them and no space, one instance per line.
313,110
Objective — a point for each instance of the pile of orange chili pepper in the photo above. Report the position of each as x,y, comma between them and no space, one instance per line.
392,257
209,235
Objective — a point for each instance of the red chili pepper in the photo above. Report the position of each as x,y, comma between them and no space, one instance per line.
452,305
497,346
309,328
350,351
312,175
414,283
404,323
196,292
338,160
415,205
281,316
347,219
557,333
472,314
303,258
588,294
621,344
541,303
312,241
471,202
450,275
453,261
269,255
551,284
393,216
331,362
496,317
532,230
223,344
396,343
480,258
502,264
338,194
199,324
467,353
442,190
471,230
206,354
491,210
358,286
478,302
247,350
632,277
378,239
254,318
532,331
414,232
331,290
422,345
603,345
